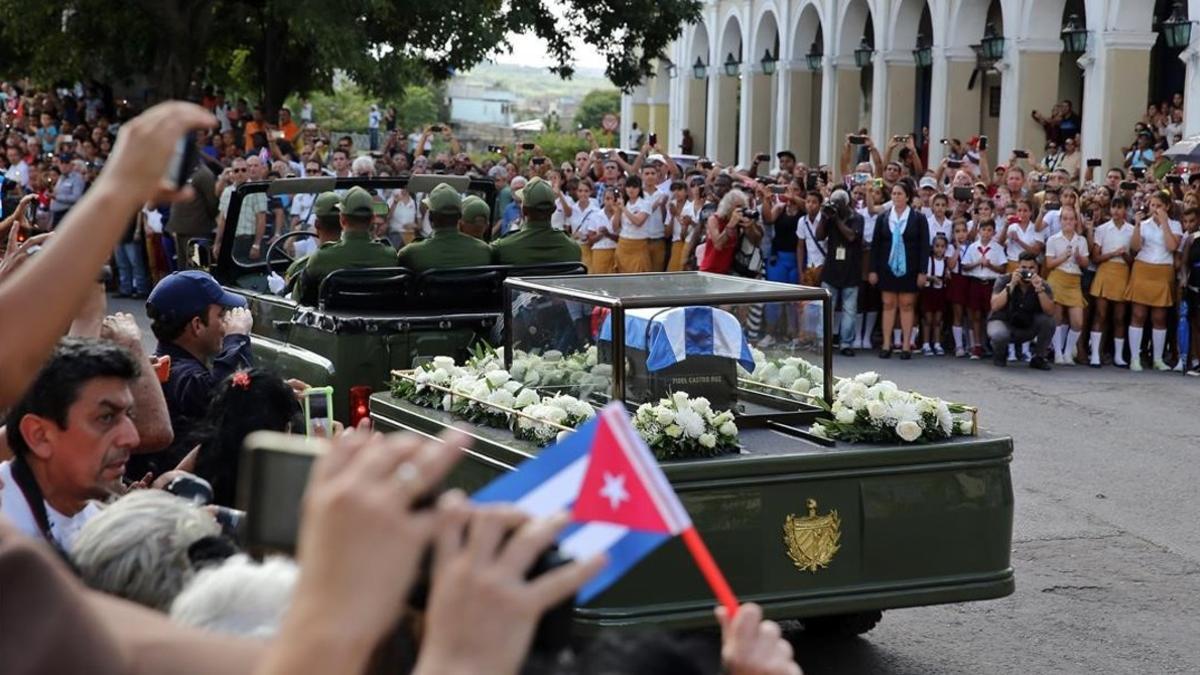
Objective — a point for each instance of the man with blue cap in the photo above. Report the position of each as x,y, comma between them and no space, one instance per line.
205,330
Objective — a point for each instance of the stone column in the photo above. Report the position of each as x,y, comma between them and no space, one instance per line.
723,107
1030,81
898,98
803,113
953,108
840,116
1115,91
756,114
694,111
1191,86
784,109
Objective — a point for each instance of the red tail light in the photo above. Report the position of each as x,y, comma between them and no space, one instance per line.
360,404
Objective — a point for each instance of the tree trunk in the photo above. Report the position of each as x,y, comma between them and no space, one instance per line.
184,26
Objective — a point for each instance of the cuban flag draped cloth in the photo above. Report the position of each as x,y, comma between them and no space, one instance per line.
605,476
669,336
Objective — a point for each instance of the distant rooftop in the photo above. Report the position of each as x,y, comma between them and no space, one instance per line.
481,93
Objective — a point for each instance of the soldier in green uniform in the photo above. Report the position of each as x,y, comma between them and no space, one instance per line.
354,251
476,217
447,247
328,225
536,242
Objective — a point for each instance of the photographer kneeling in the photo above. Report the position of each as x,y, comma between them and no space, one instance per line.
1022,310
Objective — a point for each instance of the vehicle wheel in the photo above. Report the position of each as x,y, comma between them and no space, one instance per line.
842,625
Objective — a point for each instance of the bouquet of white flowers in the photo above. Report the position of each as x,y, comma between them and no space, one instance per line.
577,373
868,409
681,427
424,387
800,378
553,418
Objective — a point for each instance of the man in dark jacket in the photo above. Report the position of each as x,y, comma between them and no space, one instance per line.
195,217
206,332
841,231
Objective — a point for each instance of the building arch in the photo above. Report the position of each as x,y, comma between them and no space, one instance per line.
766,34
850,26
732,37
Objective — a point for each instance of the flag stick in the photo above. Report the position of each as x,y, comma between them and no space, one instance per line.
712,573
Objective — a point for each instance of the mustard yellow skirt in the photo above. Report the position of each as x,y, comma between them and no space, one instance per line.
585,255
1111,279
633,255
676,264
658,254
1067,288
1150,285
604,261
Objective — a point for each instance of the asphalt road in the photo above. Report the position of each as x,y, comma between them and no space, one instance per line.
1106,545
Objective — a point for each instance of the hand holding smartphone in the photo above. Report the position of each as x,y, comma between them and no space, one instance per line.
318,412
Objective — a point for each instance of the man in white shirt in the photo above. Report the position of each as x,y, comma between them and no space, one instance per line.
71,434
18,170
814,250
373,119
658,193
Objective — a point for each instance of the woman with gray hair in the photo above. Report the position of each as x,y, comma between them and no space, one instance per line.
723,230
141,547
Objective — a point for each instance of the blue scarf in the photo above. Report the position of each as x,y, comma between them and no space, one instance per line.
898,261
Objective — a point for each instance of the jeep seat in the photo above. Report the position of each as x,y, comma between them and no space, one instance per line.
462,289
373,289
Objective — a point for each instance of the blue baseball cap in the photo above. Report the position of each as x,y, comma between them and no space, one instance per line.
183,294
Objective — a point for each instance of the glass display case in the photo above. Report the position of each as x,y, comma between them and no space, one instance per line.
758,348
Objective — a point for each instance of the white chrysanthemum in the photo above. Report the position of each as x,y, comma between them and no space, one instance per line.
908,430
902,409
691,421
818,430
708,440
497,378
673,430
867,379
788,374
518,370
440,377
552,355
728,429
502,397
845,415
513,386
526,398
664,416
481,390
801,384
445,362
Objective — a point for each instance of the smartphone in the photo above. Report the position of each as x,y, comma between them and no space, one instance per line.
778,189
860,178
1128,185
810,181
857,140
435,128
537,160
706,164
653,140
318,412
495,148
901,139
1138,172
68,138
1095,162
272,475
963,194
183,161
762,157
983,141
527,146
30,212
954,163
1174,179
1023,154
945,141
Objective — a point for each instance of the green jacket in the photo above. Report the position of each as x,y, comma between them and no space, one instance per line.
354,251
299,264
447,248
535,243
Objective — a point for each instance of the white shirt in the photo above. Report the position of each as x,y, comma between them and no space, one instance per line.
306,112
13,506
1059,244
960,252
403,216
993,252
1154,250
656,226
1029,235
1051,223
302,207
18,173
628,229
1110,238
944,228
373,120
937,272
558,219
676,222
806,231
592,219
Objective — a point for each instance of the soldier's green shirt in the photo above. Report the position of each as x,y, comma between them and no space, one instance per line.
354,251
299,264
447,248
533,244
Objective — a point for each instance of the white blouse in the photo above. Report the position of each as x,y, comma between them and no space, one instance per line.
1112,238
1057,245
1154,250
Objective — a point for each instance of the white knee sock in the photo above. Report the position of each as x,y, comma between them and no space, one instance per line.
1159,338
1135,343
1119,351
1072,345
958,336
1096,337
1060,338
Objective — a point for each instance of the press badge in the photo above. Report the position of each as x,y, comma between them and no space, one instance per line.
839,253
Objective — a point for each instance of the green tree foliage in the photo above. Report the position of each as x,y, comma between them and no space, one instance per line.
595,105
418,108
277,47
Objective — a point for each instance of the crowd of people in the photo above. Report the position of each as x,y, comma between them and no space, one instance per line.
118,546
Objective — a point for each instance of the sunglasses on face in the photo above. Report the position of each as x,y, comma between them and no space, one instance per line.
242,170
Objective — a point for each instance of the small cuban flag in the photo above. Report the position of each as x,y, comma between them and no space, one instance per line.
620,501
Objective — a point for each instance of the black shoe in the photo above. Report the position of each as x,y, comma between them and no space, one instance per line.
885,353
1000,362
1039,363
846,351
905,355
